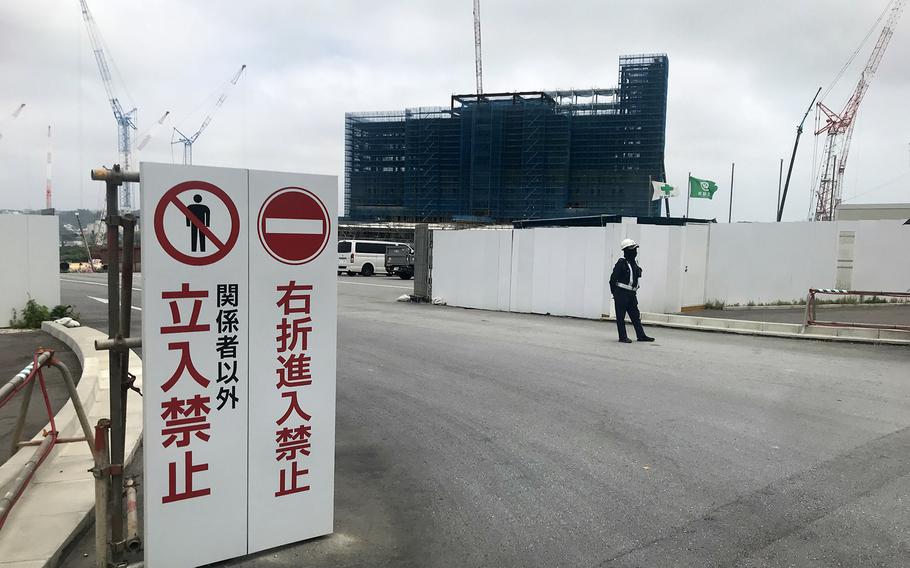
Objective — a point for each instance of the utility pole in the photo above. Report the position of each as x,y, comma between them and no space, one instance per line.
730,212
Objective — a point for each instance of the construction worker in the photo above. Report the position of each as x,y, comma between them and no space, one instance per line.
623,285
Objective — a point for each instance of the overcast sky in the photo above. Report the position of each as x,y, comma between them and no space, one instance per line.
741,75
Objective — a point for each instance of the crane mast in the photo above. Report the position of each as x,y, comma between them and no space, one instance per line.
126,120
187,141
478,67
838,127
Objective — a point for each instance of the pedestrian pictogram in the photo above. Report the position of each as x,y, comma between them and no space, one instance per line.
209,223
203,214
294,225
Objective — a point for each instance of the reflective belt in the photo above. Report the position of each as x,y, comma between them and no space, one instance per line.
631,276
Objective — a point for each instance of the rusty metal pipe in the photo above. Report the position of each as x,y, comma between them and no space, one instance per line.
25,475
20,420
100,450
74,398
133,543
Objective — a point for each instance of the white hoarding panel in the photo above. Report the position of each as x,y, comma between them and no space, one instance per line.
195,324
292,248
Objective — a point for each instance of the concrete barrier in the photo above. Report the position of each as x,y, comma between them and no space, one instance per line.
774,329
59,501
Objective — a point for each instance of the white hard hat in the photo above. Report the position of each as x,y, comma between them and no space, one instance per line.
628,243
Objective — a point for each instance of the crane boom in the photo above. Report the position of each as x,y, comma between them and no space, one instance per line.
478,66
187,141
16,113
838,127
126,120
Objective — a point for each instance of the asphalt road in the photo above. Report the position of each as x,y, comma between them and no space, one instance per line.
469,438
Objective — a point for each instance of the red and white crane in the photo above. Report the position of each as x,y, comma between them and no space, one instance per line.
838,127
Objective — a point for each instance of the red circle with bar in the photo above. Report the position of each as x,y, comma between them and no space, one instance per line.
294,225
222,248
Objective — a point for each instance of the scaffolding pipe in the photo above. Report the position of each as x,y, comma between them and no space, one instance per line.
133,544
25,475
102,464
23,411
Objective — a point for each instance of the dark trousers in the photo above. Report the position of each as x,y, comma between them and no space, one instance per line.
627,303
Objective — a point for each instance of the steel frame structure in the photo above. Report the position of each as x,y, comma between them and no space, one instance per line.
503,156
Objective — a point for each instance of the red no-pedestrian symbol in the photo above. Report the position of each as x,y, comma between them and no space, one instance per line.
294,225
194,241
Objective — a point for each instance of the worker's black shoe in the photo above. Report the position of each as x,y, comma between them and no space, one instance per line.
625,340
645,338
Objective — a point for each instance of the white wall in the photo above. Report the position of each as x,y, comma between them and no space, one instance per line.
560,271
766,262
30,257
472,269
566,271
881,255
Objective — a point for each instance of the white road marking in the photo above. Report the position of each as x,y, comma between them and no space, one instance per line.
293,226
104,301
377,285
90,283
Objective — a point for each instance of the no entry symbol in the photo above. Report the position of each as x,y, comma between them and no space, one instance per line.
194,241
294,225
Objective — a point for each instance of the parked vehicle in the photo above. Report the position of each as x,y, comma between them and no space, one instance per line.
399,259
362,257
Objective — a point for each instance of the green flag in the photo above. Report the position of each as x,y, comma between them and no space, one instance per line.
702,188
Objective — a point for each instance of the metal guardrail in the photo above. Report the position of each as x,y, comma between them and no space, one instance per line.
811,305
25,381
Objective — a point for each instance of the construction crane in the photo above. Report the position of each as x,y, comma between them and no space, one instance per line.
838,127
478,67
180,138
15,114
126,120
147,135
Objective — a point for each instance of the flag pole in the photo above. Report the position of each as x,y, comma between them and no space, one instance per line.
688,193
730,213
651,198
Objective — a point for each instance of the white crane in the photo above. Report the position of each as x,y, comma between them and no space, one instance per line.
126,120
180,138
15,114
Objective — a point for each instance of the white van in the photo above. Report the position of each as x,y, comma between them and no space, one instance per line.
362,257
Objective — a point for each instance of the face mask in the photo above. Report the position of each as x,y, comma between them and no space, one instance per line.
630,253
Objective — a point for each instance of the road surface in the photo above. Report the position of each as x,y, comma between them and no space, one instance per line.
470,438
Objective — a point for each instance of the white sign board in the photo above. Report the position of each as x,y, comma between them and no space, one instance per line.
239,328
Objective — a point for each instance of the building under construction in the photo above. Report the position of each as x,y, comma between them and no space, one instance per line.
506,156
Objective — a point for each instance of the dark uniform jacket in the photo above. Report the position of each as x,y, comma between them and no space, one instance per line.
621,281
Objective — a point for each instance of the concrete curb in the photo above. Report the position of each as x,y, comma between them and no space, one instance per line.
774,329
61,497
817,306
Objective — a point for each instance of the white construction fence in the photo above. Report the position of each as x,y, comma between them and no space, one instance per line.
566,271
30,257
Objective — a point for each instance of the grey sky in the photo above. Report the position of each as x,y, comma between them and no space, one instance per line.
741,75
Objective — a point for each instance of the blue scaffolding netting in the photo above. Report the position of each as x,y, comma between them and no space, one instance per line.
504,156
